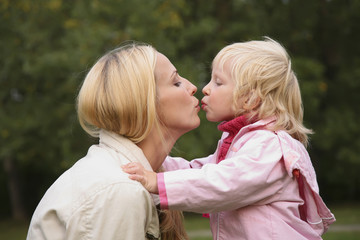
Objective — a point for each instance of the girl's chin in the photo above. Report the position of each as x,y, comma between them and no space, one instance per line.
211,118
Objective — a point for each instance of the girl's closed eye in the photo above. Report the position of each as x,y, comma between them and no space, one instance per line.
218,82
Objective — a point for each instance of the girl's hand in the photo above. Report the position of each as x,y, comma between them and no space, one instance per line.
138,173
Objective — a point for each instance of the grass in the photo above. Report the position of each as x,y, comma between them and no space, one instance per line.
13,230
198,226
345,215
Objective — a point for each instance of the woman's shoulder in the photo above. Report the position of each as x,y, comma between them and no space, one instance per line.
86,183
95,172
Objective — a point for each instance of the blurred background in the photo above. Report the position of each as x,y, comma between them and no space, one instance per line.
47,47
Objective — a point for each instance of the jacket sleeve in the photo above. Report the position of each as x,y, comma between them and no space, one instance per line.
121,211
175,163
252,173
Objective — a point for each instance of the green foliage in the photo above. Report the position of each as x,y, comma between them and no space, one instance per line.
14,230
47,46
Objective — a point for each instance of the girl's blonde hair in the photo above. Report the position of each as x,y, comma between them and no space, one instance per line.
119,95
263,75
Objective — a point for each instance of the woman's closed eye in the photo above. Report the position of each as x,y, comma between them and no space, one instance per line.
177,81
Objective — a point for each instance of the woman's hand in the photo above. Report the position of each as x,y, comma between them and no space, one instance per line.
138,173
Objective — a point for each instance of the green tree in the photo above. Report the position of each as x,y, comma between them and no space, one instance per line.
47,46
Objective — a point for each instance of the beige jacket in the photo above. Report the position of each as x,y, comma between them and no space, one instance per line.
95,199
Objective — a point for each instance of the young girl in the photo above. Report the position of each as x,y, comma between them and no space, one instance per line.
260,183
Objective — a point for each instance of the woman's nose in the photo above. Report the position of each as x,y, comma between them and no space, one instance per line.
192,89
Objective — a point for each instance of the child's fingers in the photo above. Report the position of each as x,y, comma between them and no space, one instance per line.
137,173
138,178
131,165
132,168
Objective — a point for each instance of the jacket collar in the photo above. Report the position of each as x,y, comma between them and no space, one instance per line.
256,125
262,122
125,147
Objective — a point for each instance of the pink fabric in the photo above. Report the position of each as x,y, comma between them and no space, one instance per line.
162,192
175,163
254,186
171,164
232,127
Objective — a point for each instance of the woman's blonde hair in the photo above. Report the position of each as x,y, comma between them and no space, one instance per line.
263,75
119,95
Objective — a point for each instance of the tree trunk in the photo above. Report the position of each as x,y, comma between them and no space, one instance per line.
17,208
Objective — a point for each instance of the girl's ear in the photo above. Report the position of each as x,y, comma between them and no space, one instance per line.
252,101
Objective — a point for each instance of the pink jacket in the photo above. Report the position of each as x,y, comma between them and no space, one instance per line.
252,194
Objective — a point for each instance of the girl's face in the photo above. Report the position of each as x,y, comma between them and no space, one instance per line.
177,106
218,99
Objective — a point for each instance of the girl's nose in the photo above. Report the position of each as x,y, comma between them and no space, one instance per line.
206,90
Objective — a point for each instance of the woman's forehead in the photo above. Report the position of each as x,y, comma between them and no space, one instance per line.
163,68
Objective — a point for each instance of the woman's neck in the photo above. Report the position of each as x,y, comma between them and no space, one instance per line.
156,149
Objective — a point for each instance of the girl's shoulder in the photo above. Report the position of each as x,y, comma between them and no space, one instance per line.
257,131
258,139
290,143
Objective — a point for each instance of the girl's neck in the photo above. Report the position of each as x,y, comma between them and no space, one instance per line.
232,127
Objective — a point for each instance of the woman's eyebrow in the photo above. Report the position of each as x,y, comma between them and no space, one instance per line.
173,74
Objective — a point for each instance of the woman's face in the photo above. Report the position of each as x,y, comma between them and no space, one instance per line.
177,106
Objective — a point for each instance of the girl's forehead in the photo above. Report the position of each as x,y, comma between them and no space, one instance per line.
217,70
222,72
217,67
222,66
222,61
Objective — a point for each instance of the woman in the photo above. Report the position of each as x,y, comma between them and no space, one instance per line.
138,105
